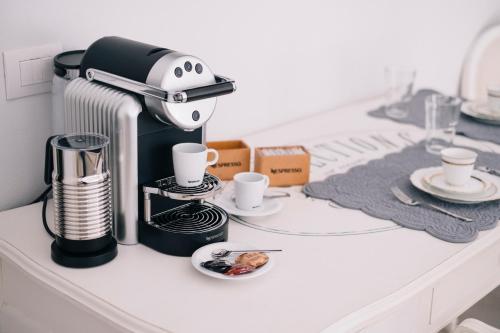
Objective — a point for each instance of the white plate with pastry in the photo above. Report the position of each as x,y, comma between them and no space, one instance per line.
259,263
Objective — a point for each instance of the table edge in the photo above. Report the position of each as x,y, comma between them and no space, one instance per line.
60,285
373,312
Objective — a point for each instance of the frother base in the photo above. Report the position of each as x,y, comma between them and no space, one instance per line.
84,260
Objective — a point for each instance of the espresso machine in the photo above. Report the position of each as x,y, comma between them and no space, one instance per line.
146,99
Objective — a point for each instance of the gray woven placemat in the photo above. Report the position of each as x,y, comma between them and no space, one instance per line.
467,126
367,187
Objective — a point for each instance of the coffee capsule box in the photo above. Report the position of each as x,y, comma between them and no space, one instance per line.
285,165
234,157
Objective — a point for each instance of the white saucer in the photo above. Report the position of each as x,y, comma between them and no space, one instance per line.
481,112
204,254
268,207
491,193
475,185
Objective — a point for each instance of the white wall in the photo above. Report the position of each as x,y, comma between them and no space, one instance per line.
290,58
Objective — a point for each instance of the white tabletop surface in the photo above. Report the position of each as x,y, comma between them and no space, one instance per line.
315,282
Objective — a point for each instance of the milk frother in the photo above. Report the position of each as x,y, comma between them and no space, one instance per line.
81,186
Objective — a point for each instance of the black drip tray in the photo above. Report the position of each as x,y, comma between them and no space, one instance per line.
193,217
182,230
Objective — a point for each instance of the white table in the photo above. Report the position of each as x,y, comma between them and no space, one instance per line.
398,280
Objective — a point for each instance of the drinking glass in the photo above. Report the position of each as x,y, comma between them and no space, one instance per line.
441,118
399,87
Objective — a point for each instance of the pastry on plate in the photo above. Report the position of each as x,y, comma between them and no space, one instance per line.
255,259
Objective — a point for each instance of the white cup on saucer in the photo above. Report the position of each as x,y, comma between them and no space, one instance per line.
494,100
458,164
249,189
190,163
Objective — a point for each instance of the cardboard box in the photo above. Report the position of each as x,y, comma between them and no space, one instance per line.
234,157
283,169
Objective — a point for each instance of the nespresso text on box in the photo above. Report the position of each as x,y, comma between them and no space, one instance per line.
285,165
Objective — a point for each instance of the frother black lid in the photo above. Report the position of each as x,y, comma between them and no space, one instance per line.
67,60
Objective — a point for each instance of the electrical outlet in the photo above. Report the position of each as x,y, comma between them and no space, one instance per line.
29,71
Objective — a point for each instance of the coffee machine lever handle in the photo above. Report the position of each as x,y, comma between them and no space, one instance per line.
222,86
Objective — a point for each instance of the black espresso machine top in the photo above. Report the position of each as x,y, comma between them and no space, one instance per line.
175,88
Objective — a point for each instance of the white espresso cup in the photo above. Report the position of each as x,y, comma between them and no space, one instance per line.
494,99
190,163
458,164
249,189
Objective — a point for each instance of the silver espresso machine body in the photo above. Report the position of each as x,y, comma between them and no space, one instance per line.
146,99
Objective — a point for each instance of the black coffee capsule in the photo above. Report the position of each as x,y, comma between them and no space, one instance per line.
219,266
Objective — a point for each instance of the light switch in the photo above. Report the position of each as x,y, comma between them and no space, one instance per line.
47,68
29,71
25,67
36,71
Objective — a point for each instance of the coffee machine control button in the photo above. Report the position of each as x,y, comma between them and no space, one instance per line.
188,66
195,115
178,71
198,68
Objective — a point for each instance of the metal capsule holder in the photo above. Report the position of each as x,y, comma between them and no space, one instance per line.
168,188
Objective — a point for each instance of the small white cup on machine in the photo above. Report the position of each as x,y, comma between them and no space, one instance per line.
249,189
458,164
190,163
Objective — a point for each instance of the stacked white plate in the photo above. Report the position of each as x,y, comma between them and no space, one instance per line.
481,112
482,187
